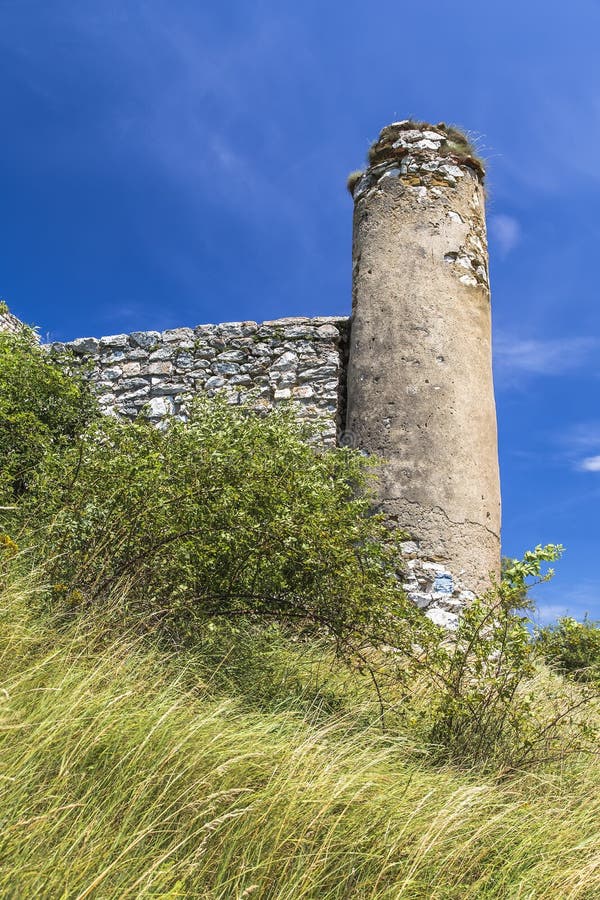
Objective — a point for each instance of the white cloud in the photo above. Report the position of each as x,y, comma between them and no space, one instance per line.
547,613
506,231
581,446
575,599
517,357
571,599
590,464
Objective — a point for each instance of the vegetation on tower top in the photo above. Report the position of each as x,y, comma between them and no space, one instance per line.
454,143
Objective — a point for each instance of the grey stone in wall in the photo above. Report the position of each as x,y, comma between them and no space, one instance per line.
293,359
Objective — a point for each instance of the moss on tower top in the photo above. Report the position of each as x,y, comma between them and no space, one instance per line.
444,140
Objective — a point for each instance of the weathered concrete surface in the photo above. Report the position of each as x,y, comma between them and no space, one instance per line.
420,391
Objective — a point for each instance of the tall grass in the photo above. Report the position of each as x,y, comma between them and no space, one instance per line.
122,775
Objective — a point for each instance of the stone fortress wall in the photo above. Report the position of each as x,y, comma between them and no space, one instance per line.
407,377
293,359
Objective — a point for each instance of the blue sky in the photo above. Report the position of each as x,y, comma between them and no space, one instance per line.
170,163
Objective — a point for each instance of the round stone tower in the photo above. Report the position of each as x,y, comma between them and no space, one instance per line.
420,391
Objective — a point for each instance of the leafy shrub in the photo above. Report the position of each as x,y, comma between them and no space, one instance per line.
44,406
228,515
572,647
482,708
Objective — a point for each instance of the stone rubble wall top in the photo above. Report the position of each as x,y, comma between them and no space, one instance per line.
10,323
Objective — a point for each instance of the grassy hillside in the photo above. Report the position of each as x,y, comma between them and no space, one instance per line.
124,774
212,684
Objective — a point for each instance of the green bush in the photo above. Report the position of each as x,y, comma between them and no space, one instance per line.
482,709
572,647
228,514
44,406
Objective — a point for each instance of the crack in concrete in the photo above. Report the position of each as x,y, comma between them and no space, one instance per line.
494,534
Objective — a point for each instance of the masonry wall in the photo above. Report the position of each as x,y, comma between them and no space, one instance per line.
9,323
302,360
292,359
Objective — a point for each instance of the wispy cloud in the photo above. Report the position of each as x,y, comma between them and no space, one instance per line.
505,231
516,358
584,436
581,446
185,108
571,599
546,613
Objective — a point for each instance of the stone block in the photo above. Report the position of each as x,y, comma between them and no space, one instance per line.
161,354
164,388
114,340
214,383
160,367
131,368
145,339
158,407
285,362
177,335
328,333
111,374
303,392
85,346
225,368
